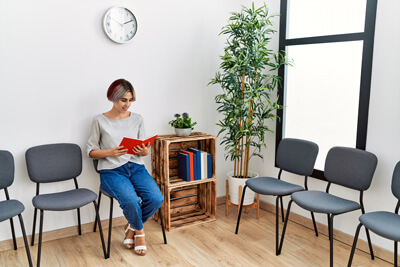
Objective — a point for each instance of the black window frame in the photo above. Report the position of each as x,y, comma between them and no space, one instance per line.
366,69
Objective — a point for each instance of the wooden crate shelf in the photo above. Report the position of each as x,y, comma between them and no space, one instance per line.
185,203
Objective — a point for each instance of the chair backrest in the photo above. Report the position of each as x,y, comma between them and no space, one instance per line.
297,156
6,169
54,162
350,167
95,164
396,181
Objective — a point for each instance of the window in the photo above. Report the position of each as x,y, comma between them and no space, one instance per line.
326,92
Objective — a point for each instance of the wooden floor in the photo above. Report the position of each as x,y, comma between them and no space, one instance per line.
208,244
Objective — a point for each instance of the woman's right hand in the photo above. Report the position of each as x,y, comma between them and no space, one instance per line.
117,151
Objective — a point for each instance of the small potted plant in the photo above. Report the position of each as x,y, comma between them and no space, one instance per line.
183,125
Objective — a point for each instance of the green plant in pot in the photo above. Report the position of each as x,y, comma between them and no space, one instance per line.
248,78
183,125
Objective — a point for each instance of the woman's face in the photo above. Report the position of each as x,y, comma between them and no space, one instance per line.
124,102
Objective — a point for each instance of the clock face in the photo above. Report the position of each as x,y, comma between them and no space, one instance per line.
120,24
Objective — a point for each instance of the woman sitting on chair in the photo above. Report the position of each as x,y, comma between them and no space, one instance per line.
123,175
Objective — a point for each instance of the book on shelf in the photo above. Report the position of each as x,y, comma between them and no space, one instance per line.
203,164
206,165
191,163
202,169
184,166
209,165
131,143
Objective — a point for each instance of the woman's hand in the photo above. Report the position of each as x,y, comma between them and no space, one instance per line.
117,151
142,150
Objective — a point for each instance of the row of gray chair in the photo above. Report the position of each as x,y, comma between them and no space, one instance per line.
47,164
347,167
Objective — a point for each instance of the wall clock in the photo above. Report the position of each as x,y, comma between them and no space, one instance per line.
120,24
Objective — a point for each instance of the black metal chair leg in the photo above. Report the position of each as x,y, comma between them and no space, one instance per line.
13,233
369,243
331,240
329,221
277,224
28,254
110,228
315,225
283,214
33,227
240,210
100,228
40,238
98,203
353,248
162,226
284,226
79,222
395,253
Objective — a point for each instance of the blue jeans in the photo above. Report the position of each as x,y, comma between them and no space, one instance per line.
135,190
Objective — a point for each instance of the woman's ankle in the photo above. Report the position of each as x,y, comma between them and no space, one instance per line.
139,232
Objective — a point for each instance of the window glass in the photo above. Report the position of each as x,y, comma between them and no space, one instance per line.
322,94
308,18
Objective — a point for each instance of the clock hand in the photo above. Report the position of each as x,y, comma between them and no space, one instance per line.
127,22
117,22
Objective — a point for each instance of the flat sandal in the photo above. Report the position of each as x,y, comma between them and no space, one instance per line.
126,240
142,247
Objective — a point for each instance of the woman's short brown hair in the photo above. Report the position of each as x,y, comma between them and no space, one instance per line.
118,89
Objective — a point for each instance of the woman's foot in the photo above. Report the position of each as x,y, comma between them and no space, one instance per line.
140,243
129,235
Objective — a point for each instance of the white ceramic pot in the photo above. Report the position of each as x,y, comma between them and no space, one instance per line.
183,131
234,184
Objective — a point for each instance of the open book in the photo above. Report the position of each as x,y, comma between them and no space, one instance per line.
129,143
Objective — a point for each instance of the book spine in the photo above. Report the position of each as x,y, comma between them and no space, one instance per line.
203,164
183,166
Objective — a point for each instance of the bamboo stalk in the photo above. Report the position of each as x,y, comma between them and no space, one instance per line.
234,167
242,125
249,121
247,154
241,158
236,162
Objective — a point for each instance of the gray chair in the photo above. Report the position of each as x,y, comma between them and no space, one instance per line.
104,192
295,156
383,223
10,208
54,163
348,167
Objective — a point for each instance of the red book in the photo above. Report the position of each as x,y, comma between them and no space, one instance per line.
129,143
191,163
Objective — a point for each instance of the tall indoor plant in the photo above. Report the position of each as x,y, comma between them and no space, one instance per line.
248,78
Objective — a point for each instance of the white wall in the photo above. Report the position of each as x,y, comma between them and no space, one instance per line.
56,64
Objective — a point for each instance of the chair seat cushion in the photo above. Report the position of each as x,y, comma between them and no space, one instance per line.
66,200
10,208
383,223
322,202
104,192
272,186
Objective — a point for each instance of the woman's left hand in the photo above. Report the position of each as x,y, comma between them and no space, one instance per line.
142,150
